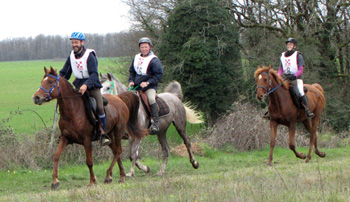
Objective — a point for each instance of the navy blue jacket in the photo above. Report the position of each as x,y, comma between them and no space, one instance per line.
154,74
93,81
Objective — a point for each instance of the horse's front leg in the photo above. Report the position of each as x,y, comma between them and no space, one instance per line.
273,128
134,154
62,144
291,128
89,162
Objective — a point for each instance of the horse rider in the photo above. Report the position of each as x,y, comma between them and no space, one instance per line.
145,72
291,67
83,64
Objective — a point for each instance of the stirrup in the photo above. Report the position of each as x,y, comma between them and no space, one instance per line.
266,116
310,115
154,129
105,140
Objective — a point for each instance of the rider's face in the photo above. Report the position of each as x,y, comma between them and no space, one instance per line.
145,48
290,46
77,45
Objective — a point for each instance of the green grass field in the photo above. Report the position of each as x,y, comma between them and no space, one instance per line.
19,81
232,176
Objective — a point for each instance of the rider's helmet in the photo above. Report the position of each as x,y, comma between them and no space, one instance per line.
292,40
77,35
145,40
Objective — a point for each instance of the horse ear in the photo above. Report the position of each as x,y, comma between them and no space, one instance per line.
270,66
45,70
100,75
259,67
53,71
109,77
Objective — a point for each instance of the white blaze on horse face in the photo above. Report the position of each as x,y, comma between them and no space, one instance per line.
260,76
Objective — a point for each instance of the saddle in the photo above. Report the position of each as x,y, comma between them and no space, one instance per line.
294,92
91,113
163,107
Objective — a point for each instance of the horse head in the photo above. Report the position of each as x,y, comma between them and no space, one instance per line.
109,85
263,82
49,88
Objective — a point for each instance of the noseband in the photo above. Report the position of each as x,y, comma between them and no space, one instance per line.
48,92
268,91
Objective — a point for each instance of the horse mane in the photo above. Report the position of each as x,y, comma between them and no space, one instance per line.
174,87
272,73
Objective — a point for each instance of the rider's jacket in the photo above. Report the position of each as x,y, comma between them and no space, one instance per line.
146,69
84,66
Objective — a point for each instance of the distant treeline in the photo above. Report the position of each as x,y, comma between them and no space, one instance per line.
51,47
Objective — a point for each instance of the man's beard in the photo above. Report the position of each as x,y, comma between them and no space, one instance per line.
79,49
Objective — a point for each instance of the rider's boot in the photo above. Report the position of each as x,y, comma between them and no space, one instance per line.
154,127
104,138
305,104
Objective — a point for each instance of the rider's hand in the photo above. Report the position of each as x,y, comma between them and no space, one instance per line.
82,89
292,77
144,84
131,84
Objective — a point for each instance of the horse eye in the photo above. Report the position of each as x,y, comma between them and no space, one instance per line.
265,80
108,88
50,82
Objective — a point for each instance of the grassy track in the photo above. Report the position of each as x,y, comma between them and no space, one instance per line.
19,81
233,176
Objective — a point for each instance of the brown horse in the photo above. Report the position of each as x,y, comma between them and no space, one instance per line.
283,111
121,114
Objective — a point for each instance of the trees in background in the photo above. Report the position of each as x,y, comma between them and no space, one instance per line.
51,47
199,47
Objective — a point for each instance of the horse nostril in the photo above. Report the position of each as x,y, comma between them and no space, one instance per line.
36,99
261,96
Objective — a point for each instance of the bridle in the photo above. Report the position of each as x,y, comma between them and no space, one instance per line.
48,92
112,87
268,91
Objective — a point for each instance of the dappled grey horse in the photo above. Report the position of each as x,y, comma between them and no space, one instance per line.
179,113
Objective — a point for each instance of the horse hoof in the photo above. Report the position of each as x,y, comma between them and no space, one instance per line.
147,169
108,181
195,164
302,156
322,154
121,180
55,186
269,164
307,160
129,175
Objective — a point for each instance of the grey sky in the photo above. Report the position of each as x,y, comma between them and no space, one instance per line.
29,18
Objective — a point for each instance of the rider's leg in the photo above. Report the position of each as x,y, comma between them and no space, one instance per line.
151,95
96,93
303,98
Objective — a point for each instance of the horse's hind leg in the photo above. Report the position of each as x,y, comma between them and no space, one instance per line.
312,129
134,149
89,162
116,150
291,128
55,183
181,129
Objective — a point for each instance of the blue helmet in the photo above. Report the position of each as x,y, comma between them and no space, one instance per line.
77,35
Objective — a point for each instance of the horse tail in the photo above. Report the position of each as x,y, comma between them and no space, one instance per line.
132,102
192,115
174,87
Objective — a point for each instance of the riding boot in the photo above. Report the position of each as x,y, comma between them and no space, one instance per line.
305,104
154,127
104,138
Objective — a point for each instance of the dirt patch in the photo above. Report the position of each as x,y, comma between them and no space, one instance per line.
181,150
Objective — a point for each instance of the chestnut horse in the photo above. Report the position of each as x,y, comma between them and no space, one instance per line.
121,114
283,111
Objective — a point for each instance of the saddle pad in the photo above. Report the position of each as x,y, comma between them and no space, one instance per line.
163,107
